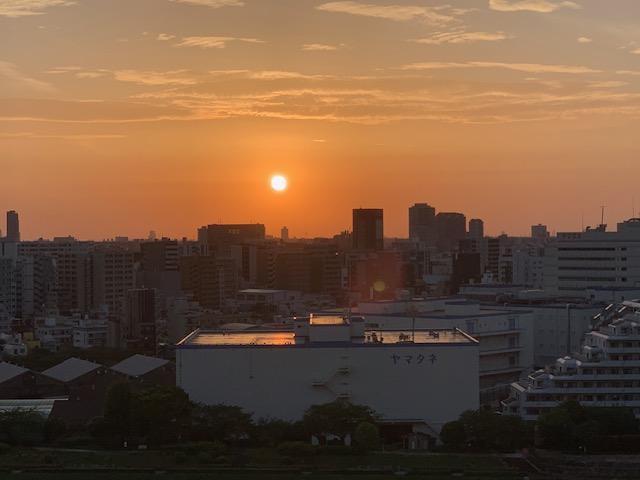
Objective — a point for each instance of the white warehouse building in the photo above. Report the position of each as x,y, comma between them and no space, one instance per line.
425,378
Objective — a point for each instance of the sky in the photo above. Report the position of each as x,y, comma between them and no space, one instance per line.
123,116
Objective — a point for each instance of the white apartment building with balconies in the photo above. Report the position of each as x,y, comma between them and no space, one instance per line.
606,372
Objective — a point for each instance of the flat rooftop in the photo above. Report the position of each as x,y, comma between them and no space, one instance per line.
373,338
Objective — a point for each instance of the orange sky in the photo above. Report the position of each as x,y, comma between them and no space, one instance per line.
120,117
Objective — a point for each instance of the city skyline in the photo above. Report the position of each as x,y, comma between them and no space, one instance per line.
115,121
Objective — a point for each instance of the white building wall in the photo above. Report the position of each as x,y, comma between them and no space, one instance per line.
431,382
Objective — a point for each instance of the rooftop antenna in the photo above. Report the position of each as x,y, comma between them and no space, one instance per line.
602,214
582,220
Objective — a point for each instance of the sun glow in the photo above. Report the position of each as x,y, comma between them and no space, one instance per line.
278,183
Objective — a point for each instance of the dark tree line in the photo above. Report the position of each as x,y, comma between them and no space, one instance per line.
165,415
568,427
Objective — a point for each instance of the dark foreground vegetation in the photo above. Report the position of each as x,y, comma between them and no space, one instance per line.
144,432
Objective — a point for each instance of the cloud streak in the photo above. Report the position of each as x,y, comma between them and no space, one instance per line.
461,37
521,67
539,6
213,42
399,13
24,8
212,3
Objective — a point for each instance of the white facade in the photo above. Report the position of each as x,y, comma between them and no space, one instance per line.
577,261
558,329
423,377
505,335
90,333
605,374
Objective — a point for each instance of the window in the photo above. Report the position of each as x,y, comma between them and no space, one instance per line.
512,324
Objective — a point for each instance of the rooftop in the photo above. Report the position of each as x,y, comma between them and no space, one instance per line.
70,369
139,365
203,338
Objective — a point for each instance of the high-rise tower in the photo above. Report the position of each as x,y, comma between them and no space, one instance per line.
368,229
13,226
422,224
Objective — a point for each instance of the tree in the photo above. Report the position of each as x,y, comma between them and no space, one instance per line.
336,418
367,436
453,436
21,427
118,407
486,431
161,414
225,423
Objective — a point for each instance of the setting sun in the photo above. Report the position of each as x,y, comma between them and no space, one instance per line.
278,183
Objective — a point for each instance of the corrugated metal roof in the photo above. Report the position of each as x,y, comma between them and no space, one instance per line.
139,365
42,406
9,371
70,369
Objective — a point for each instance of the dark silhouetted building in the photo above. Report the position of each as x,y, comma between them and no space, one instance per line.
476,228
219,237
422,224
368,231
451,228
211,280
13,226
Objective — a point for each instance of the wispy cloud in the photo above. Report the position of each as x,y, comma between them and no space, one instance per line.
321,47
400,13
584,40
636,51
10,73
163,37
212,3
540,6
173,77
62,137
23,8
461,37
522,67
628,72
213,42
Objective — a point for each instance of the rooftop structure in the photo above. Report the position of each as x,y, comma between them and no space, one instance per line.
280,373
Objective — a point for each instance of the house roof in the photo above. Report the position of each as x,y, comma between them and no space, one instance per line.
9,371
70,369
139,365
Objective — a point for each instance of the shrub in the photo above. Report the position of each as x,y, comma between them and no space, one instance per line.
204,458
296,449
180,458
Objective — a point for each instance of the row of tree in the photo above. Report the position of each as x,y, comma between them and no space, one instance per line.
165,415
568,427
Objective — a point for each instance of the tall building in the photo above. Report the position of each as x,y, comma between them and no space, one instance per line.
476,228
211,280
539,231
593,258
284,234
13,226
451,227
219,237
368,231
422,224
